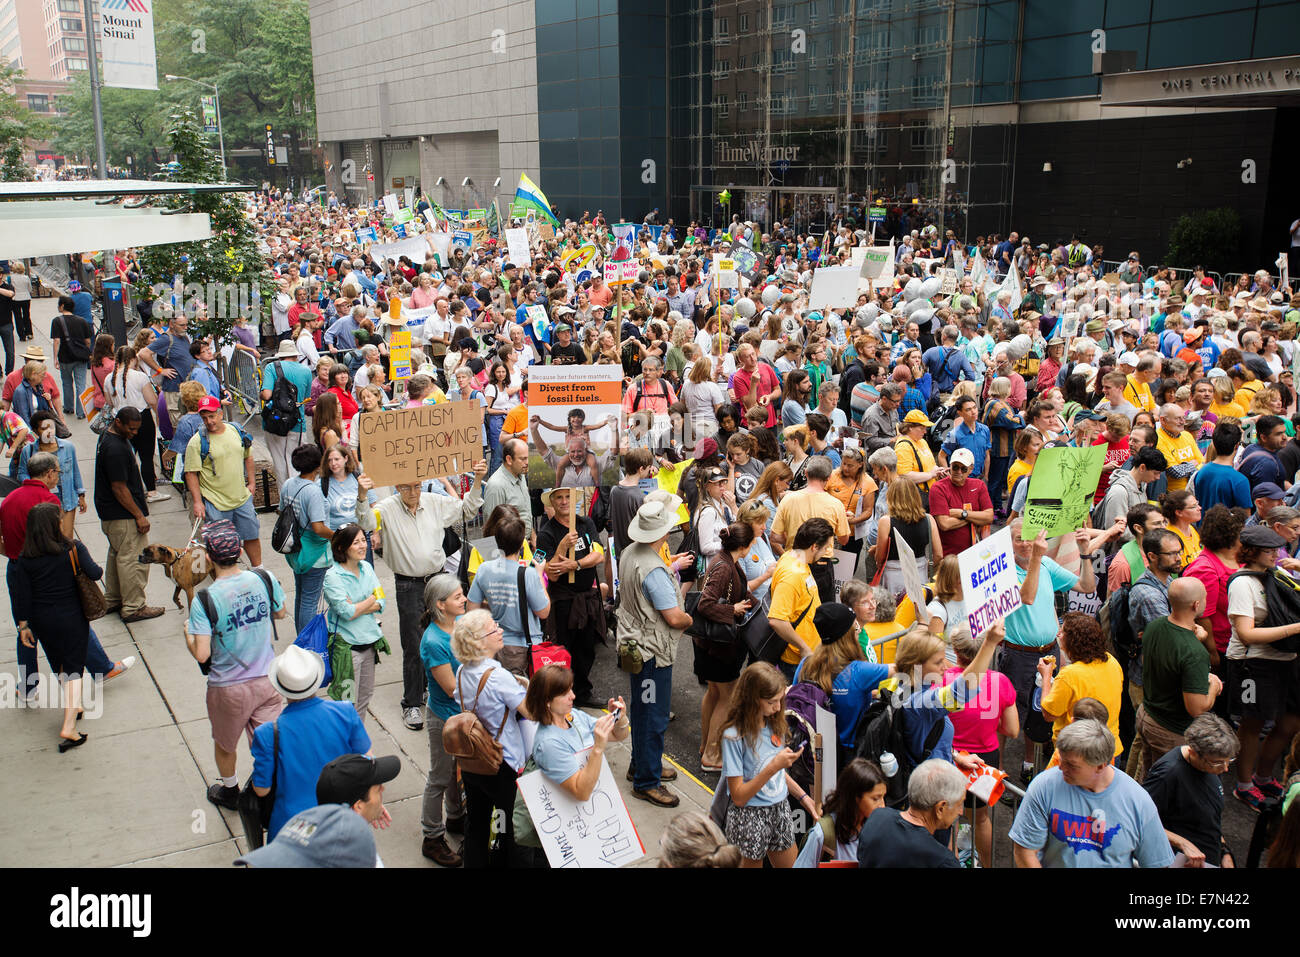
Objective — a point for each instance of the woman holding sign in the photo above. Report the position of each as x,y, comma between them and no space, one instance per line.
566,732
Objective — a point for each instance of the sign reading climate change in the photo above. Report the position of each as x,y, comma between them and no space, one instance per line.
129,60
406,446
989,582
597,832
1061,489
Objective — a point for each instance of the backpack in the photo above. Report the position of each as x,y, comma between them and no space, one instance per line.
210,609
286,537
1114,618
466,739
801,703
281,414
944,423
1282,597
880,730
205,445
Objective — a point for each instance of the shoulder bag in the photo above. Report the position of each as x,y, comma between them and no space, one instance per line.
93,603
254,809
466,739
706,630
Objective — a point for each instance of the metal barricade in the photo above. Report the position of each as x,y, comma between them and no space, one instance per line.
243,377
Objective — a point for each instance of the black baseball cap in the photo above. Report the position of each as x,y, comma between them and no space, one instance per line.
349,778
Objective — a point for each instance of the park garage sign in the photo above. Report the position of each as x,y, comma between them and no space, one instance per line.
129,60
735,154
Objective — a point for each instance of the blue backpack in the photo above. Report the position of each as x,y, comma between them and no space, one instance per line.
205,446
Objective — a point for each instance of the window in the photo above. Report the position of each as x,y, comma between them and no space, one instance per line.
722,68
814,11
75,63
70,26
38,102
742,101
721,105
70,6
922,137
74,44
721,27
740,64
744,23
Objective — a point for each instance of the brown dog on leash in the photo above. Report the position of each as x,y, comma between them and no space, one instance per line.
186,568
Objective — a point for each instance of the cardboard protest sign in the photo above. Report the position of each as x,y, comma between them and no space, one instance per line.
574,425
399,354
597,832
834,287
990,587
517,246
1061,488
877,263
405,446
546,231
911,573
622,273
950,278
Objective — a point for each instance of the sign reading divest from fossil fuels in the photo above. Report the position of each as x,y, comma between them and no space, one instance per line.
405,446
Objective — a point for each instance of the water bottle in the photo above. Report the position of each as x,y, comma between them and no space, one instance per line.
966,855
1038,693
888,764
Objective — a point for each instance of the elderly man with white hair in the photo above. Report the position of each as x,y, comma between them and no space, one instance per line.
1087,812
1002,308
936,793
369,356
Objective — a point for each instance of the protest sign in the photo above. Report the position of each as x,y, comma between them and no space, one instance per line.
367,234
574,425
86,398
911,574
597,832
415,248
462,238
950,279
834,287
403,215
876,262
400,230
624,241
845,563
399,354
441,243
1061,489
745,259
827,761
405,446
622,273
990,587
546,231
517,247
390,204
408,193
724,272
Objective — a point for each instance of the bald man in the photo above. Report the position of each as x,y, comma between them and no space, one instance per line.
1177,684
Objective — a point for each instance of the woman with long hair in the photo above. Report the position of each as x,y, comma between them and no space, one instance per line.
444,602
327,421
500,397
47,607
795,395
724,599
703,398
859,790
128,385
755,766
101,367
908,516
795,439
947,612
1027,445
1005,425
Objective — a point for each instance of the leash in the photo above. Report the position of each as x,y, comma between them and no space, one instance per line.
194,533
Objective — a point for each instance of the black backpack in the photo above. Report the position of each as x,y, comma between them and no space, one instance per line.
1282,597
879,730
282,413
286,536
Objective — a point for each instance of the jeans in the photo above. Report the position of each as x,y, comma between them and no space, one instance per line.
441,791
410,606
651,694
74,382
307,588
999,465
7,337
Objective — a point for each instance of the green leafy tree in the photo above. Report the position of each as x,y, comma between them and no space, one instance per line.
228,263
18,126
1208,237
135,122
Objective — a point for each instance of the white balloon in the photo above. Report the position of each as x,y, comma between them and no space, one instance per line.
931,286
923,315
770,295
868,312
1020,346
912,290
917,305
745,308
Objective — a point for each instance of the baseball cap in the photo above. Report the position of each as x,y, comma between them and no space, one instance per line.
222,541
1128,359
1266,490
962,457
562,327
1191,335
916,417
327,836
349,778
209,404
1217,373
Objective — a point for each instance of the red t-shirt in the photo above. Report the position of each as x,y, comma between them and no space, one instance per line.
975,727
1213,574
1117,454
767,383
13,513
972,496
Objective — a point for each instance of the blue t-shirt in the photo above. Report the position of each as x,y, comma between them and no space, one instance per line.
660,589
1221,485
1118,827
851,695
308,504
741,760
341,501
313,732
497,583
435,650
979,442
1035,625
82,306
1209,355
242,646
559,751
756,560
300,376
173,352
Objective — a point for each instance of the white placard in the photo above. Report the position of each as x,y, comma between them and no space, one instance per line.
911,575
835,287
843,569
416,247
830,747
127,46
597,832
517,247
990,587
390,204
408,193
724,270
441,243
876,260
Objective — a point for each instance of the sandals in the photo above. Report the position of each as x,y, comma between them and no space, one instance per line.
67,744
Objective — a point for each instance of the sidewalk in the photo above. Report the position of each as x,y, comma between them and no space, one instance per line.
134,794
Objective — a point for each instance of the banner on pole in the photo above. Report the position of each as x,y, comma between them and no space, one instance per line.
126,42
209,106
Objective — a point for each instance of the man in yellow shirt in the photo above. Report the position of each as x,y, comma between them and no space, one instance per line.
794,592
915,460
1178,446
1138,390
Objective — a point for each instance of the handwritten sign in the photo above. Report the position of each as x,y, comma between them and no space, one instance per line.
622,273
1061,489
406,446
597,832
86,398
517,246
724,269
399,354
949,286
989,583
403,215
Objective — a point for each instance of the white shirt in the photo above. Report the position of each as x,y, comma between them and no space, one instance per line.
307,349
132,391
280,312
435,327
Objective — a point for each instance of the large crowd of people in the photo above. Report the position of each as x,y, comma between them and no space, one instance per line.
786,472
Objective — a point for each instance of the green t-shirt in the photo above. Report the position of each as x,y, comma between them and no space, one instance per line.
1173,661
222,479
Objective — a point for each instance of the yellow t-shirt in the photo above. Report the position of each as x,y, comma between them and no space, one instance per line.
1103,680
1230,408
1139,393
1177,450
222,477
1246,394
797,507
914,457
1191,544
1018,468
793,590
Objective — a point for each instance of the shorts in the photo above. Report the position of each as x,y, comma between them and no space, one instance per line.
757,831
244,517
241,707
994,760
1263,688
1022,669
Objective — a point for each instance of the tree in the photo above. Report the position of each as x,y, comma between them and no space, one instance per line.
134,124
1209,237
18,125
215,268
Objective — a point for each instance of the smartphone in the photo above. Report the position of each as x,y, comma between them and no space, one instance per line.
617,713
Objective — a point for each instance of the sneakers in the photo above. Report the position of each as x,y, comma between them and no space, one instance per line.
1251,796
440,852
223,796
1271,789
659,795
414,720
157,496
144,614
126,664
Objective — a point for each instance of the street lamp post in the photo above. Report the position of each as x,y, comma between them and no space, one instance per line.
221,137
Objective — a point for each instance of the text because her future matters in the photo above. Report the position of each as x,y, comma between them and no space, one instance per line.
405,446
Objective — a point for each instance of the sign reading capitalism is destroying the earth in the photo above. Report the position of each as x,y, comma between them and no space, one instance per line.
405,446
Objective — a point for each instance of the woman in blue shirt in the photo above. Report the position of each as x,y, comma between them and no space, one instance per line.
758,563
312,559
755,765
190,424
355,601
444,602
565,733
71,491
348,493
